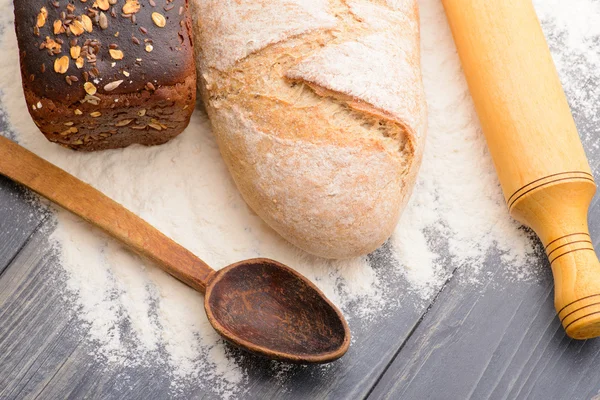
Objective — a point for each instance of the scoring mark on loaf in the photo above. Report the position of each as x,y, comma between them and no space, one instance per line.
369,61
364,69
381,68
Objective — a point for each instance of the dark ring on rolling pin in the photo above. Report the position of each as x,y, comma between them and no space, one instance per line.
578,309
546,177
572,251
580,318
511,202
547,183
573,302
566,244
562,237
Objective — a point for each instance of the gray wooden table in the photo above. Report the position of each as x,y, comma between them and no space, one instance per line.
498,339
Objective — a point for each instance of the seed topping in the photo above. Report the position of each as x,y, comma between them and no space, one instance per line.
131,7
159,19
116,54
68,40
41,18
90,88
113,85
61,65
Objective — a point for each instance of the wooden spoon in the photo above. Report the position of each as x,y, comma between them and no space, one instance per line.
259,305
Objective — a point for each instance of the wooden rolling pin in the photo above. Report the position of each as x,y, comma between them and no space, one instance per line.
545,176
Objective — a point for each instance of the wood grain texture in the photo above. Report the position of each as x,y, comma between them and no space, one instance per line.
517,92
499,339
18,220
44,351
268,308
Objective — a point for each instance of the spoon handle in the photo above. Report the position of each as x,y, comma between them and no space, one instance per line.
26,168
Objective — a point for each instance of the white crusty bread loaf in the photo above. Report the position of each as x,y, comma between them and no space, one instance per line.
319,112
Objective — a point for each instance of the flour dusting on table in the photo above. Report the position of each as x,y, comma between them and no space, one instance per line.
573,31
184,189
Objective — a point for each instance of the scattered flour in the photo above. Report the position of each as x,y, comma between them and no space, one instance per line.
457,193
455,217
573,32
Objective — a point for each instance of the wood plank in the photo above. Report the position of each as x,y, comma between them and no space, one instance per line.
44,350
43,347
498,339
19,216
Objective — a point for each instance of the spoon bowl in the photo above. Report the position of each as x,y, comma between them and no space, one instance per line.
265,307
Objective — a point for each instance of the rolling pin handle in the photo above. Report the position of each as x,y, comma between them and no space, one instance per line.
578,311
557,212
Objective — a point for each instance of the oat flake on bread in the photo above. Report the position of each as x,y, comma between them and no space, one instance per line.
185,190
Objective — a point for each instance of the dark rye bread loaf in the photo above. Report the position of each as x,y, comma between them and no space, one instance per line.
102,74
